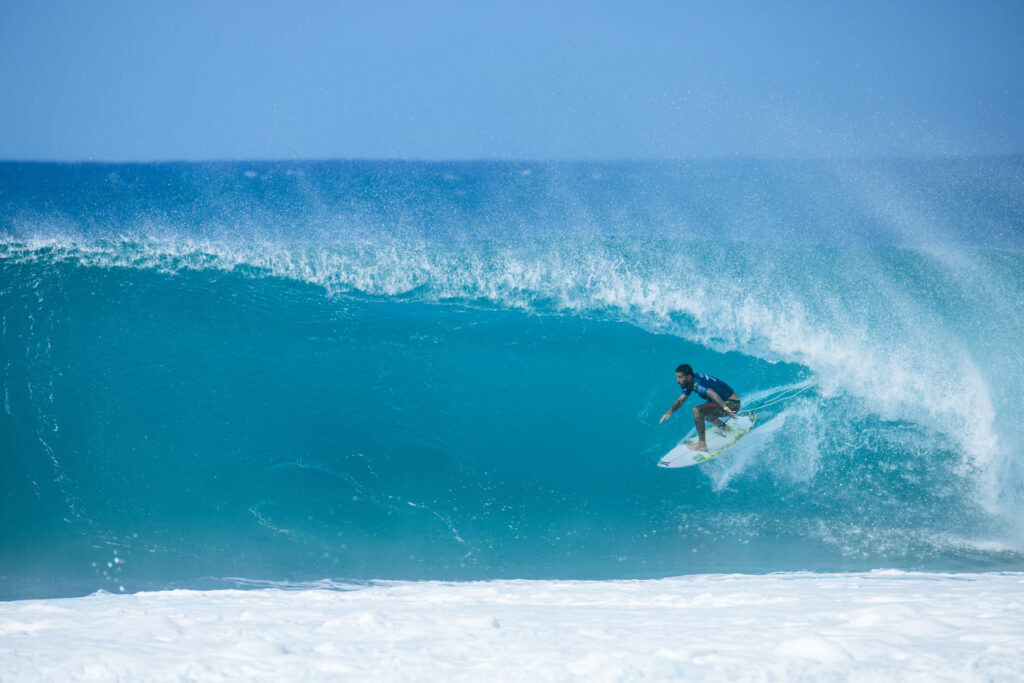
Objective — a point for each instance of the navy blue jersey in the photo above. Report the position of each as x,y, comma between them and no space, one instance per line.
701,384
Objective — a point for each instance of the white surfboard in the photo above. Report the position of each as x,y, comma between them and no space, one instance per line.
718,441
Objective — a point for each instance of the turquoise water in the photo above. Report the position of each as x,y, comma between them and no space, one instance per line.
384,370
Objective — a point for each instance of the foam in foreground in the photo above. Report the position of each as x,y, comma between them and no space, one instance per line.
865,626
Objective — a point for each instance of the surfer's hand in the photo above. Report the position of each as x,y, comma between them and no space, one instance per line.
666,416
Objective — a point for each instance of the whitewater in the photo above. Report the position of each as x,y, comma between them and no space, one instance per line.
797,626
418,404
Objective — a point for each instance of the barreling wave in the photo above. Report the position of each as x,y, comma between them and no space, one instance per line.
444,405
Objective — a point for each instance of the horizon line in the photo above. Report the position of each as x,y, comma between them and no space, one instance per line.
497,160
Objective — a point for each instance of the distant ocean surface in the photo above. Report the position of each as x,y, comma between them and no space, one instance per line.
399,371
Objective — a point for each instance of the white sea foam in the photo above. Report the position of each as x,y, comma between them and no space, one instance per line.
884,625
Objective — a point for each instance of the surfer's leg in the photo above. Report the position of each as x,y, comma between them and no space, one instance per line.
698,421
711,413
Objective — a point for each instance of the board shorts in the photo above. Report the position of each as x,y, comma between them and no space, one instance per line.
711,409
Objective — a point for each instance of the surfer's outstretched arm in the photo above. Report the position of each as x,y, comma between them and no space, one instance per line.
675,406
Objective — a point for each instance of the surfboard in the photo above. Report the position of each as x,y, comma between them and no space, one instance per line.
718,440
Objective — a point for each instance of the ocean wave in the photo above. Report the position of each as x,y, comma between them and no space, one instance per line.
435,372
886,325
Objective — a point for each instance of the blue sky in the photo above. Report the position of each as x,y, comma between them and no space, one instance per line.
509,80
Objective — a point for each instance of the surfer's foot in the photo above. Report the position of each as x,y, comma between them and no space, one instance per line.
699,446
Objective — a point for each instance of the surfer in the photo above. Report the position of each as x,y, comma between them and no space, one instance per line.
721,400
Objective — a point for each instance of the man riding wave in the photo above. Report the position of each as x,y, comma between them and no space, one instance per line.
720,400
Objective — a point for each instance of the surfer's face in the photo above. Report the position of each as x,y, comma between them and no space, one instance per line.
684,380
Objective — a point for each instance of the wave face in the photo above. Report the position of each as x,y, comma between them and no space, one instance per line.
411,370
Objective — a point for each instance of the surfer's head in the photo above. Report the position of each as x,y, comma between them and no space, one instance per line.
684,375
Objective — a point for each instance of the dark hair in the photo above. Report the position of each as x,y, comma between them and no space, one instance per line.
684,370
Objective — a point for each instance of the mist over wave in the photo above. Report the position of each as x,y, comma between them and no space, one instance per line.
455,371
